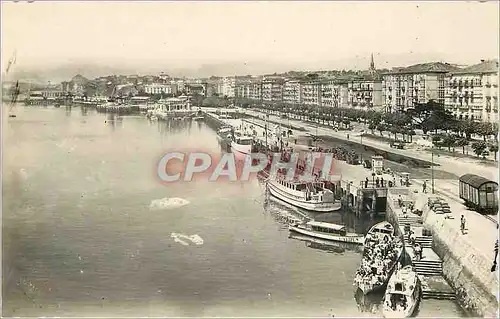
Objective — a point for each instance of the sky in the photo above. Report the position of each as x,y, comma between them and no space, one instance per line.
185,34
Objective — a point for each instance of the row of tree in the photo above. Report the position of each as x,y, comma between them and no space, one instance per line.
431,117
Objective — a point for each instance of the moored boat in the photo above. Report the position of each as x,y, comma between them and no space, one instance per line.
225,135
327,231
380,230
382,252
241,145
311,196
323,244
403,294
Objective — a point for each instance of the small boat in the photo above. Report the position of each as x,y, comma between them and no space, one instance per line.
198,118
325,245
327,231
403,294
12,115
380,230
382,252
311,196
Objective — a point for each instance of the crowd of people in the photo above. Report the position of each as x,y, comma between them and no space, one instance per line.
379,257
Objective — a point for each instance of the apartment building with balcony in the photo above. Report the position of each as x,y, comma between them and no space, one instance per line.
343,98
255,90
242,89
472,92
292,92
365,92
228,86
272,89
311,93
331,93
403,88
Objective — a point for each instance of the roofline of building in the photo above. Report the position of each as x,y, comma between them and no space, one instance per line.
414,72
474,72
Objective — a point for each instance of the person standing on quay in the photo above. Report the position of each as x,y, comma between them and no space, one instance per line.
424,187
494,267
462,224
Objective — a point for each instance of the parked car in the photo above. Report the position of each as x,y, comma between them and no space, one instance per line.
432,200
397,144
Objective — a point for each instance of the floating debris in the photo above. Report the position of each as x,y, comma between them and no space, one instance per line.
167,203
182,239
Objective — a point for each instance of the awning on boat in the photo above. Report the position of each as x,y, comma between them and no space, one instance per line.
326,225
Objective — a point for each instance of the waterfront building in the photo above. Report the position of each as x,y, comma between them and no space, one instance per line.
242,89
330,93
181,103
365,92
472,92
49,94
228,86
255,90
343,98
272,89
292,92
158,88
311,93
404,87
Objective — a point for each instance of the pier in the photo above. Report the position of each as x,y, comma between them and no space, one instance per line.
430,267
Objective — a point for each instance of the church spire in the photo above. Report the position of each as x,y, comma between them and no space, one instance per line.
372,64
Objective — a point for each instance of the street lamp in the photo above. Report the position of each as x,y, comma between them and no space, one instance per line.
361,141
432,168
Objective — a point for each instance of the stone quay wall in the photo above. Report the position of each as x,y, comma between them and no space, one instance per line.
466,268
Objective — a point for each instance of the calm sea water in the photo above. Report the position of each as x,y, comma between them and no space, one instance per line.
80,234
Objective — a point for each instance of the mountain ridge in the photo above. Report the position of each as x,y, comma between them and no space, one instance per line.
65,72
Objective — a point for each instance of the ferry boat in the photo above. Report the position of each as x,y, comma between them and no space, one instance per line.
380,230
403,294
241,144
327,231
311,196
375,271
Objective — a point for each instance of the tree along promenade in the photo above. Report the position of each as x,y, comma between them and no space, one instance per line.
454,165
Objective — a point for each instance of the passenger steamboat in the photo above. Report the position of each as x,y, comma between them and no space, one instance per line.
311,196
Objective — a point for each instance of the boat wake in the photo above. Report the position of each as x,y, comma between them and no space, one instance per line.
167,203
185,239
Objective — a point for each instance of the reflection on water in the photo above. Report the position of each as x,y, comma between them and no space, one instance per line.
370,303
77,188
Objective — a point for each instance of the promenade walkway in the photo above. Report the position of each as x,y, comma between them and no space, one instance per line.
481,232
449,164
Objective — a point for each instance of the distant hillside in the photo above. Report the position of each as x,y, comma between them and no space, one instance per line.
66,72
